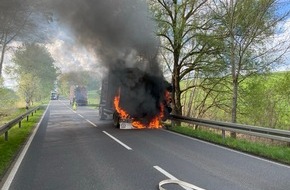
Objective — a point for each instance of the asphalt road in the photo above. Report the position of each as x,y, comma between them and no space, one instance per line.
75,150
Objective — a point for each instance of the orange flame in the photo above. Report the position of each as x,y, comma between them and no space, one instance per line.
153,124
121,112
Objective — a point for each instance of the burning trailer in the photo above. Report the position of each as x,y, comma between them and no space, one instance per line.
135,99
122,35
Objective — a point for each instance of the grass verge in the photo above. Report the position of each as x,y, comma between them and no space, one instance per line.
11,114
17,137
93,97
273,152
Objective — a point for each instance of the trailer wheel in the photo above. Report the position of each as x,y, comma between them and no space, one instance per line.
116,120
102,114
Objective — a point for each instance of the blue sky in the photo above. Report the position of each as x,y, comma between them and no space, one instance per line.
283,6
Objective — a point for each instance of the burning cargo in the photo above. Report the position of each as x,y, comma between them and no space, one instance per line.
135,99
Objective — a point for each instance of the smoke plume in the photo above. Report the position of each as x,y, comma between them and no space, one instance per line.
122,34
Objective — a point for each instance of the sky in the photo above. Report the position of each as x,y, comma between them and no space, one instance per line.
284,6
71,56
282,9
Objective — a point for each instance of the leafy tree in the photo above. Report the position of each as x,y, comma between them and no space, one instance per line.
29,87
186,41
34,62
265,100
247,27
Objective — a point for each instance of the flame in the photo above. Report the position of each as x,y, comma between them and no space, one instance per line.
121,112
153,124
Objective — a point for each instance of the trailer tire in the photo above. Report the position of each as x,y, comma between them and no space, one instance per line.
116,120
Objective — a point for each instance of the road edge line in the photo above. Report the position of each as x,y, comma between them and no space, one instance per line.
15,167
229,149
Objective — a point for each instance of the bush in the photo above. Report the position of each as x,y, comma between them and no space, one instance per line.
8,98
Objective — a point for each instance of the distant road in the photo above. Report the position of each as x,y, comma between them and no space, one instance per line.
76,151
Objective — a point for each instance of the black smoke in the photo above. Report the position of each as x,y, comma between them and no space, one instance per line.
122,34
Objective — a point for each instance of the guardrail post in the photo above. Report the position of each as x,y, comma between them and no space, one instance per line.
31,113
27,117
6,136
224,135
19,124
172,123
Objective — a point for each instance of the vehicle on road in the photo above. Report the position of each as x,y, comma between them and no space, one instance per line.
116,98
54,95
78,95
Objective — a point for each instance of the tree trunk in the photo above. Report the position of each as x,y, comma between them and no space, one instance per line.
234,68
2,54
190,103
234,104
177,108
176,93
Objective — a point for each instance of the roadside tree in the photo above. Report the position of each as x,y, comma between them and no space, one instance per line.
16,21
247,29
187,48
34,62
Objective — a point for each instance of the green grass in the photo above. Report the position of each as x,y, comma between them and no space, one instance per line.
93,97
272,152
11,114
8,114
17,137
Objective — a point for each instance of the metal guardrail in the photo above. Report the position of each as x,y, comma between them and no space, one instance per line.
5,128
275,134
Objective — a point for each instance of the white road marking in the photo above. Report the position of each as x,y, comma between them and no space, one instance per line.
225,148
118,141
79,115
174,178
165,172
91,123
21,156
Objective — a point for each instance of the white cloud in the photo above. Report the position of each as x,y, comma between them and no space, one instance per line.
283,37
70,55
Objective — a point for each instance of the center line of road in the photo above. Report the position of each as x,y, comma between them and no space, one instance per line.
91,123
174,180
81,115
118,141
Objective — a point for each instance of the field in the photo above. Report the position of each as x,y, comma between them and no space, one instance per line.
93,98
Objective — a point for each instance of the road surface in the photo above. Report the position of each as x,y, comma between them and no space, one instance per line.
75,150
